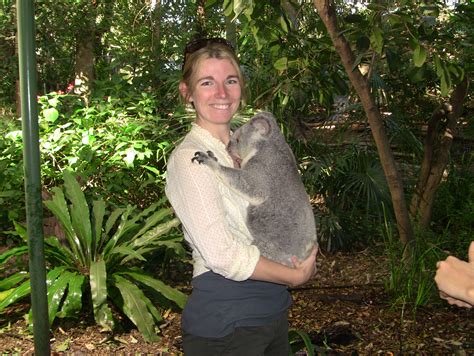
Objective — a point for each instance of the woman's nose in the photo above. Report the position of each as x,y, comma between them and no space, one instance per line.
221,91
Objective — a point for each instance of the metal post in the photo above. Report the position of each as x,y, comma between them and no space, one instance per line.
32,169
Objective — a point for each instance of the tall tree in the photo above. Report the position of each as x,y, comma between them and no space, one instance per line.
326,10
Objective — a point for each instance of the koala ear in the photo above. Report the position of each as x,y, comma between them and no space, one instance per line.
262,124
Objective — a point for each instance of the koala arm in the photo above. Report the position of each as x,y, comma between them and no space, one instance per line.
241,181
193,192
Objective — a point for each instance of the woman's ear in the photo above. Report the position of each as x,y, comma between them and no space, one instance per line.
183,89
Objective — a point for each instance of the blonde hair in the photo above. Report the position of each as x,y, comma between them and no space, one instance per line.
210,50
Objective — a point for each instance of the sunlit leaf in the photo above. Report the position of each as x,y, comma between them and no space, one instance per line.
55,294
13,280
19,292
51,114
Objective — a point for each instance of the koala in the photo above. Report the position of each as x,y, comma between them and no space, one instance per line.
279,216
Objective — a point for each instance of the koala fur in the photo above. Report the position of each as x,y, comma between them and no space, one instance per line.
279,216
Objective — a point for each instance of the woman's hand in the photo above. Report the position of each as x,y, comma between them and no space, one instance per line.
301,272
306,268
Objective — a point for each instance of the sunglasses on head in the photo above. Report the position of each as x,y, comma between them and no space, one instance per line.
197,44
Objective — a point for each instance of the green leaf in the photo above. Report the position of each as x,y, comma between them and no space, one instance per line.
130,253
13,280
79,212
294,335
54,250
419,56
155,233
73,302
98,212
168,292
21,230
135,308
112,219
16,251
153,220
56,291
283,24
51,114
152,309
376,39
281,64
57,205
63,346
19,292
227,7
98,284
124,227
5,293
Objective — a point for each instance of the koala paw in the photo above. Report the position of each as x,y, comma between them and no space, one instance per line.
202,157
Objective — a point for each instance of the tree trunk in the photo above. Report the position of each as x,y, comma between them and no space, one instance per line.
84,68
438,142
328,15
156,29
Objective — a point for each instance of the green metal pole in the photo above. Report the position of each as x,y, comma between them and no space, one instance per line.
32,168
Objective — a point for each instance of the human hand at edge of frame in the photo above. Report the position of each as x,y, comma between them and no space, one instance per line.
455,280
307,267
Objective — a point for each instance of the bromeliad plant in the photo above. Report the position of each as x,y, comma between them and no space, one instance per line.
100,260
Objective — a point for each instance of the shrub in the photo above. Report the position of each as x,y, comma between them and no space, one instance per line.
102,258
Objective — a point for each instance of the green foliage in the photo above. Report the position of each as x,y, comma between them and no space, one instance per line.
300,340
410,283
118,141
350,187
101,259
11,172
454,206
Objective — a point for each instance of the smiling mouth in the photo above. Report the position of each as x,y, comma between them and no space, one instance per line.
221,106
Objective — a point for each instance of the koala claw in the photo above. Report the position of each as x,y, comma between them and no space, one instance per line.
202,157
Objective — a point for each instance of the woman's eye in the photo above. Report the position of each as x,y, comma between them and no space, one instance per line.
206,83
232,81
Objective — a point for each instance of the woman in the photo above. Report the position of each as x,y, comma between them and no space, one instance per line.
240,299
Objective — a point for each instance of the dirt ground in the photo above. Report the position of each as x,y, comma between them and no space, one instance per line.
343,309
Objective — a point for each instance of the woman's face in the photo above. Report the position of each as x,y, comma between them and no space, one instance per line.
217,92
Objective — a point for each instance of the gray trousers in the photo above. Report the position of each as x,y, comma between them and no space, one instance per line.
268,340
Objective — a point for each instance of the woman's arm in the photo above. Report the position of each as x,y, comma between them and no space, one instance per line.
269,271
